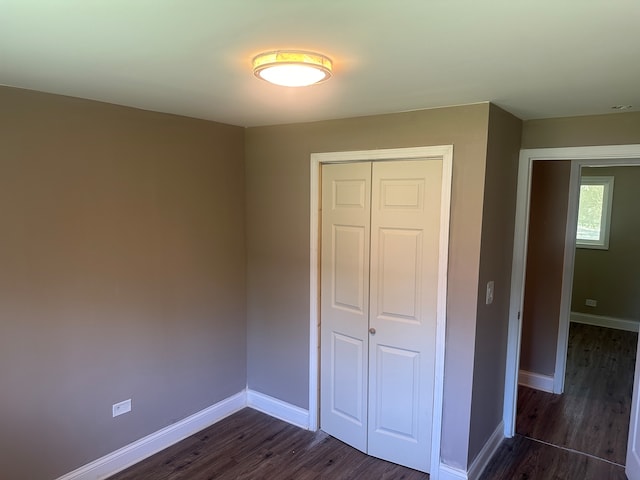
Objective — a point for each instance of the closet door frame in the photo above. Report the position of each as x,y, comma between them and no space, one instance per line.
440,152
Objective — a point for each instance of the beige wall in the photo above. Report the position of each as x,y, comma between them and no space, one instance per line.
498,219
122,275
545,259
611,276
277,169
612,129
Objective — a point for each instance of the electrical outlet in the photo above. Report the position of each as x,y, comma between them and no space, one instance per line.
122,407
591,303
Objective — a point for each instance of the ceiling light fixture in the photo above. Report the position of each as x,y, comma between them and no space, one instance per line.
292,68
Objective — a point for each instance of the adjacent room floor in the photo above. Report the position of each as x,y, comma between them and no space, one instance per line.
592,416
581,434
521,458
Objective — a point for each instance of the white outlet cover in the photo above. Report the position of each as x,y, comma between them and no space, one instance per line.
122,407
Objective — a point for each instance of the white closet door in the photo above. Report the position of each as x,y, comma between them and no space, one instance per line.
344,305
379,291
405,230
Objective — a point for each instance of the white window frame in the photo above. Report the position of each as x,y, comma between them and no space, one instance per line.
605,221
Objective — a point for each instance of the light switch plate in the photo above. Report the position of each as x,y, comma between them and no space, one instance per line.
122,407
490,287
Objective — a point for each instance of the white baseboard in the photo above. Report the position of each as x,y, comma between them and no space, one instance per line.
536,380
450,473
277,408
486,454
157,441
602,321
445,472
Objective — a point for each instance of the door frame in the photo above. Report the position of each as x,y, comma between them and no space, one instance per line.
442,152
602,155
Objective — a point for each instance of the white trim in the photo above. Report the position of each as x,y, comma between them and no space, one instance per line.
145,447
608,322
609,155
438,151
277,408
514,333
567,278
536,380
446,472
445,152
314,295
486,454
632,464
441,315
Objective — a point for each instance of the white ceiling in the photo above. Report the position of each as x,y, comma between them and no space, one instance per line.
535,58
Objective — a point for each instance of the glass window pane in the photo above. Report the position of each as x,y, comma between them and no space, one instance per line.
590,212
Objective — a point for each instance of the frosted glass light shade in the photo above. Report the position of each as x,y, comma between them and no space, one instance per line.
292,68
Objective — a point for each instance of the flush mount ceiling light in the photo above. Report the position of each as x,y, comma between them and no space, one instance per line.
292,68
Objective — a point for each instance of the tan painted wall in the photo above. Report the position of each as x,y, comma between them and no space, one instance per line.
612,129
498,220
277,169
612,276
545,258
122,275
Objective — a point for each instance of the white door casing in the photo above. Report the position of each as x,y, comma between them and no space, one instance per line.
377,392
632,465
444,153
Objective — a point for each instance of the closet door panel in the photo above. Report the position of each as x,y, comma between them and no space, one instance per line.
405,225
344,304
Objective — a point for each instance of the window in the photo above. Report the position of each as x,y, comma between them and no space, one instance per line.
594,212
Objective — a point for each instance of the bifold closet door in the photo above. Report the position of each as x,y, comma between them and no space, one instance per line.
379,289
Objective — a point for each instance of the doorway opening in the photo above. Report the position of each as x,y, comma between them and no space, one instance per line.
592,415
579,157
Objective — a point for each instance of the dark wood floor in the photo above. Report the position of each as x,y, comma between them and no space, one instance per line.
252,445
592,416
